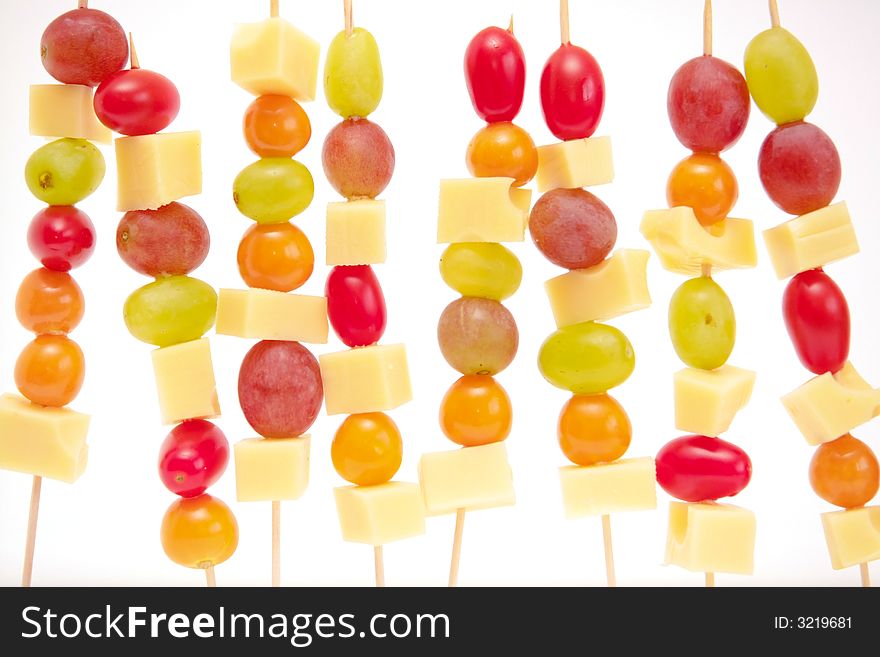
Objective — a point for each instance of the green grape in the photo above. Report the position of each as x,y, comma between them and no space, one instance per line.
781,76
171,310
702,324
65,171
353,74
273,190
481,269
587,358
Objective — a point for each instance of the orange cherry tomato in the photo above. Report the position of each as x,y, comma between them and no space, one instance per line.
367,449
503,150
50,370
275,257
198,532
593,429
845,472
705,183
49,302
476,411
276,126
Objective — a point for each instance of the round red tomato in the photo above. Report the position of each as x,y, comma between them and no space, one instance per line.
495,70
700,468
356,305
192,457
137,102
572,93
61,237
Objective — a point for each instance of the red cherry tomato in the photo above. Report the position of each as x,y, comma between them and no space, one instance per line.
817,318
192,457
699,468
61,237
495,70
572,93
356,305
137,102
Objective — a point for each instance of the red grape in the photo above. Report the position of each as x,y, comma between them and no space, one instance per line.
137,102
572,228
61,237
192,457
358,158
572,93
477,336
83,46
170,241
495,71
356,305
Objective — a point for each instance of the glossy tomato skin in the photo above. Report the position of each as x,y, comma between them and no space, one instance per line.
61,237
192,457
817,318
137,102
572,93
495,70
700,468
356,305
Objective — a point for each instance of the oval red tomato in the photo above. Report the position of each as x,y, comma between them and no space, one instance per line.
61,237
137,102
817,318
192,457
495,70
572,93
356,305
700,468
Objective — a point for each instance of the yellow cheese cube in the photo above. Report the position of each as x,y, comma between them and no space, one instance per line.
271,315
274,57
684,246
711,538
356,233
575,163
41,441
482,210
707,401
594,490
185,381
811,240
470,478
378,515
828,406
271,469
614,287
65,110
154,170
365,379
852,535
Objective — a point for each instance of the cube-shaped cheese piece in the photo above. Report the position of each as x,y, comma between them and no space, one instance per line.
365,379
594,490
42,441
684,246
852,535
711,538
614,287
828,406
271,469
185,381
382,514
707,401
154,170
356,232
65,110
482,210
575,163
811,240
470,478
271,315
274,57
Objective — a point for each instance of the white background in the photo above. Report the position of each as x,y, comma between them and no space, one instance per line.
105,528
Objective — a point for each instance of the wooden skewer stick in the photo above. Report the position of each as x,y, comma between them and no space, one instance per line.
564,29
774,13
609,551
133,55
510,25
276,543
83,4
349,24
210,579
379,564
707,28
706,270
274,10
28,569
866,575
456,548
710,580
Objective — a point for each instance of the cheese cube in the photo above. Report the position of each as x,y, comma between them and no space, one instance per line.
811,240
271,315
575,163
707,401
356,232
482,210
852,535
185,381
382,514
684,246
274,57
470,478
614,287
828,406
42,441
365,379
154,170
271,469
594,490
711,538
65,110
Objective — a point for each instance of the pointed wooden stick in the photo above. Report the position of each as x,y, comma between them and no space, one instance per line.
610,577
510,25
706,270
564,29
83,4
28,569
274,10
379,564
707,28
133,55
774,13
456,548
866,575
349,25
710,580
276,543
210,579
